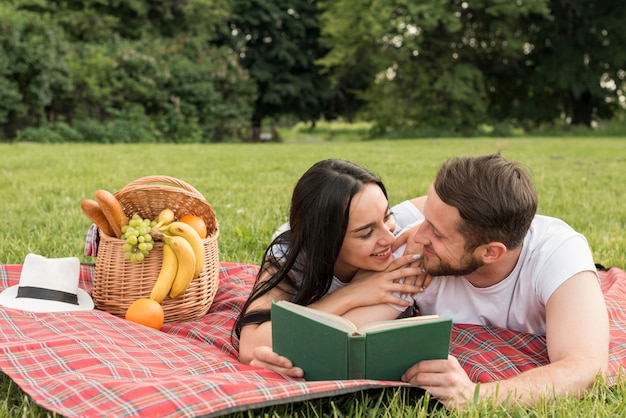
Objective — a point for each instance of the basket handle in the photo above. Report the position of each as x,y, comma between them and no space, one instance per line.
167,180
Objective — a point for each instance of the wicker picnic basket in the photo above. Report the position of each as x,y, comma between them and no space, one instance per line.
117,282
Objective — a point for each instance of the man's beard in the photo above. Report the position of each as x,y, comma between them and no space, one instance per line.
468,265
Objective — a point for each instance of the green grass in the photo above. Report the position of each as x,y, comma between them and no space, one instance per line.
581,180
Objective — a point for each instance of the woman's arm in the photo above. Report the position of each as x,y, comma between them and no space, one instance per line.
254,335
366,289
369,288
255,340
366,314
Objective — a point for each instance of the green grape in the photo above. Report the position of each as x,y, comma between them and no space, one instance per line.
138,241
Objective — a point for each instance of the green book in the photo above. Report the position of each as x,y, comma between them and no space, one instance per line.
330,347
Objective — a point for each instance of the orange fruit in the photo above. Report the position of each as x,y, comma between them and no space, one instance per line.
146,312
196,223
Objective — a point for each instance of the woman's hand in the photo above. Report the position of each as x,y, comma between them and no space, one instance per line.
406,238
376,287
411,247
264,357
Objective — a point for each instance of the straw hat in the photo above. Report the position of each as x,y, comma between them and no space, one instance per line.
47,285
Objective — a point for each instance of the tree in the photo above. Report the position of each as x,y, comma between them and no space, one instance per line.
574,64
33,69
278,42
494,38
461,63
416,78
99,20
135,60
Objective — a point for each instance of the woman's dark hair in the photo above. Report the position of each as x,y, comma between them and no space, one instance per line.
318,219
495,197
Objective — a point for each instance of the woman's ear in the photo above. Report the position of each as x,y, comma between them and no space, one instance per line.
492,251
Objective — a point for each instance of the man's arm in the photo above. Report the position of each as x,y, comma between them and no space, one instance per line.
578,346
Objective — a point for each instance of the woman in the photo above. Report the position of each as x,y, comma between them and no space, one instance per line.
341,231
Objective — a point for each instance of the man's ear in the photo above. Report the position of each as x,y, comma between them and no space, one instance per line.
492,251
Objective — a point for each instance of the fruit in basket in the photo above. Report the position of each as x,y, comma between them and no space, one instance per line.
92,210
166,276
183,257
196,223
112,210
186,263
166,217
185,231
138,237
146,312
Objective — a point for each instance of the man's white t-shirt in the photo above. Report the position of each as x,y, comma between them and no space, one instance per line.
552,253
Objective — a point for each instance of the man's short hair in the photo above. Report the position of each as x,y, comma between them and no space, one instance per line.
495,197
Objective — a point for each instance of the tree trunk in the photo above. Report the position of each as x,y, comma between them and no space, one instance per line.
256,127
582,109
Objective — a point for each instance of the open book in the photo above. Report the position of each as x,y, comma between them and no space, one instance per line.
329,347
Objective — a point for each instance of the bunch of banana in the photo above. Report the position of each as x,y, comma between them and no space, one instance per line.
183,257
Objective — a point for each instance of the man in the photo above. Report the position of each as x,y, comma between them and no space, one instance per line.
494,262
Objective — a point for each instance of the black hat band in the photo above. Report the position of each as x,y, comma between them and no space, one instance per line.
47,294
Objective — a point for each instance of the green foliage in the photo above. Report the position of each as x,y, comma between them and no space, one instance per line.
278,42
33,70
462,64
208,88
327,131
147,71
419,80
570,67
191,90
100,20
179,90
209,70
131,126
43,135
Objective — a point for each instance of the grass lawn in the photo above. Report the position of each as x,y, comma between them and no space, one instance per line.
582,181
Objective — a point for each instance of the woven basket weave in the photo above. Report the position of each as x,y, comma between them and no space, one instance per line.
117,282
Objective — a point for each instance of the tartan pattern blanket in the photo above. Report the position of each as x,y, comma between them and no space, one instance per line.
92,363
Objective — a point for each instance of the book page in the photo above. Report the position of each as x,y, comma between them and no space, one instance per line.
322,317
396,323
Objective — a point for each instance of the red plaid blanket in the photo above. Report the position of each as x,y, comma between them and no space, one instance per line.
95,364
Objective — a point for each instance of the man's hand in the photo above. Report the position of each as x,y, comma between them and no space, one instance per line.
444,379
264,357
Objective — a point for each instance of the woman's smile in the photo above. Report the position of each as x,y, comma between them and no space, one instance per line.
383,255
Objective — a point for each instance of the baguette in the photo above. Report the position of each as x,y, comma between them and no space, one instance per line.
112,210
92,210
